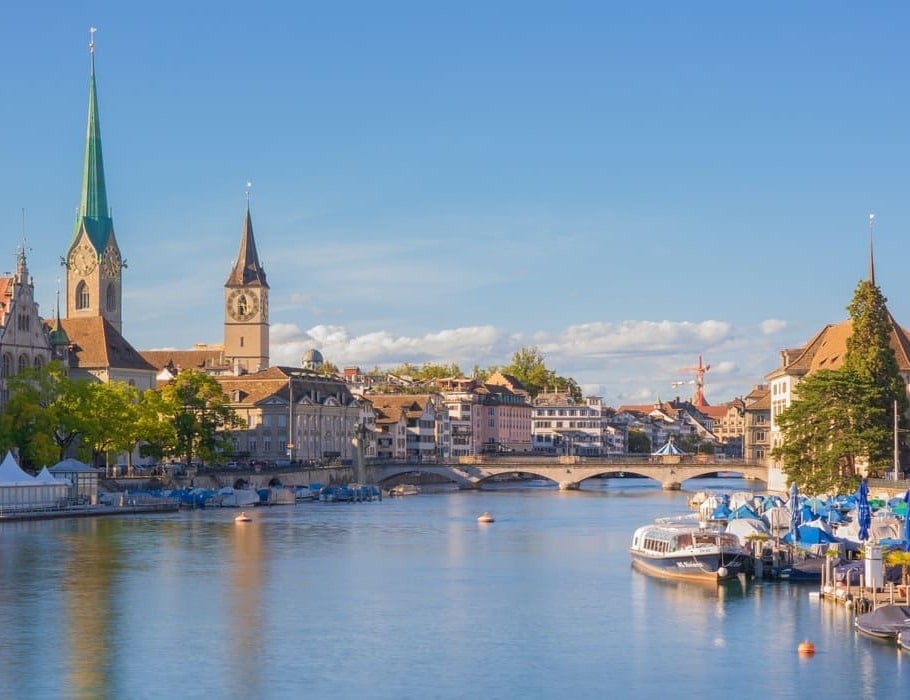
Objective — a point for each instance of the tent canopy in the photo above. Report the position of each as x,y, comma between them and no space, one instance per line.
669,448
11,472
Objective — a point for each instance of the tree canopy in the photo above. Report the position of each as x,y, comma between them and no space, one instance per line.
842,419
529,367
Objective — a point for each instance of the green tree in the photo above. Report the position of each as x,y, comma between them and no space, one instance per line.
197,407
528,367
110,427
638,443
869,354
328,369
45,414
433,371
833,424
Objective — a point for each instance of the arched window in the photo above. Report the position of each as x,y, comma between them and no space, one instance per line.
23,363
7,367
111,297
82,297
38,362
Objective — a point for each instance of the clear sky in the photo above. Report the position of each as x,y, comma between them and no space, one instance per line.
626,186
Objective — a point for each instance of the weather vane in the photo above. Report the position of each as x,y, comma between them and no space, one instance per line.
91,43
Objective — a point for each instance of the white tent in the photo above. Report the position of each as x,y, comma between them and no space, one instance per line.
20,491
669,448
45,477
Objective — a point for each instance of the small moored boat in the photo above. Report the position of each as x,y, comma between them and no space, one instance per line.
404,490
688,553
885,622
486,518
242,518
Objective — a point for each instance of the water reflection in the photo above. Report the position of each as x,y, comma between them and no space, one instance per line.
245,609
88,581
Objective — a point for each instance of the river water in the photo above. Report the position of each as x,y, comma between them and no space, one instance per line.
408,598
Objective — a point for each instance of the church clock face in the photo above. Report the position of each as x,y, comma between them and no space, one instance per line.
83,260
111,263
242,304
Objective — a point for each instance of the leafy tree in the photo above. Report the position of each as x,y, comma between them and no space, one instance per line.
844,418
482,374
833,424
528,367
638,443
111,425
869,353
328,369
197,407
45,414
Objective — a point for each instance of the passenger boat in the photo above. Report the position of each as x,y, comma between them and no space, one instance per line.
688,553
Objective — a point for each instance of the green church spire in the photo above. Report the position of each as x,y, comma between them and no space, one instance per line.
93,209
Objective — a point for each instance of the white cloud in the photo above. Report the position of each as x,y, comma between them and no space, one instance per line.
627,362
771,326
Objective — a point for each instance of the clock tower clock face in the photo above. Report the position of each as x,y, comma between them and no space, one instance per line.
83,260
111,263
242,304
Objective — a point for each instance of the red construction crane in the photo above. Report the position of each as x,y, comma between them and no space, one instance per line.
698,398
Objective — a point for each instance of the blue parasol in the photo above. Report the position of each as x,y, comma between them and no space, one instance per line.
907,522
795,515
863,511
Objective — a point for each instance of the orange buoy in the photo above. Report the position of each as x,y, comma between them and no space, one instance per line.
806,648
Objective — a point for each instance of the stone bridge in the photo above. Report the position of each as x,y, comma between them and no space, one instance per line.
569,472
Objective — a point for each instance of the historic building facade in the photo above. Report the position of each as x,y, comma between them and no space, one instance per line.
25,342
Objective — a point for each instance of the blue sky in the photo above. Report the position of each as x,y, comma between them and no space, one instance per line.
624,186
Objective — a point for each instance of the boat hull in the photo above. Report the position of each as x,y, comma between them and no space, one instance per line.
704,567
688,553
886,622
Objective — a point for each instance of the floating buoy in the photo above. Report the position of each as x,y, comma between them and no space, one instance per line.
806,648
486,518
242,518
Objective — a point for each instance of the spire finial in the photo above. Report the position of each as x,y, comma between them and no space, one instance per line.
871,256
249,188
91,43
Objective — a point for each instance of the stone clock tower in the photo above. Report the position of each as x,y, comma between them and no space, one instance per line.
246,307
93,264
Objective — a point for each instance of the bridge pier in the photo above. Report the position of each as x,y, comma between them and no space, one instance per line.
568,486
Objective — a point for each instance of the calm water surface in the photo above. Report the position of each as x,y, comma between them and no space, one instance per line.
408,598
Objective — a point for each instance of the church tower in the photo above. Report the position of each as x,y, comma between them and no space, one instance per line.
93,263
246,306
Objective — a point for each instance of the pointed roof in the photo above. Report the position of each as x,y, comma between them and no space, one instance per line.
96,344
57,335
247,271
11,472
94,214
669,448
828,349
